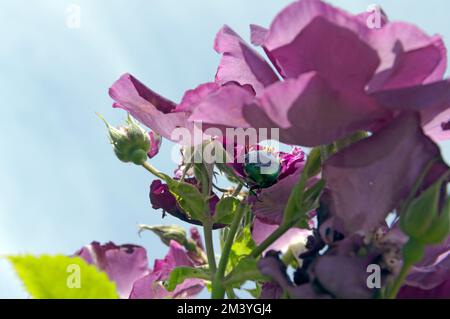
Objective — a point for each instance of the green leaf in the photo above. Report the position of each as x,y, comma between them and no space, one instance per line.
312,195
313,165
62,277
189,198
225,210
245,270
242,247
297,207
180,274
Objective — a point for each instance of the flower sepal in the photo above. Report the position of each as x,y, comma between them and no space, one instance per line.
130,142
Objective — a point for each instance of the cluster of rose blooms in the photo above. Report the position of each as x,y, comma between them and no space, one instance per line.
367,104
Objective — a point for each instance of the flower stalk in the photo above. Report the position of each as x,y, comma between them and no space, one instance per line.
218,291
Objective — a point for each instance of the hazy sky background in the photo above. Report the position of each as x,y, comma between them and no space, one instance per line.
60,185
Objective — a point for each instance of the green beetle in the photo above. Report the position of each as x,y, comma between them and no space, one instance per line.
262,168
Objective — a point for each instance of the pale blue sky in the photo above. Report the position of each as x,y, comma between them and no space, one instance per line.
60,185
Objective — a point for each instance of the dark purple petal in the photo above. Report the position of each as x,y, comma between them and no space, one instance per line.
370,178
271,290
291,162
161,197
273,267
124,264
240,63
344,277
439,292
433,270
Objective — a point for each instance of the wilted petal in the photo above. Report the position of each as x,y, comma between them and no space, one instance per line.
240,63
148,107
124,264
370,178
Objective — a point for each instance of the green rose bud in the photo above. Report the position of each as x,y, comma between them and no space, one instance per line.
131,143
427,219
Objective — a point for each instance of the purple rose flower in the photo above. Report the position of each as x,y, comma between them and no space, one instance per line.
372,75
151,287
123,264
127,266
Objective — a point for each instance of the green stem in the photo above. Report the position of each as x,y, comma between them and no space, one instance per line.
218,291
207,232
395,288
324,153
231,294
238,189
413,252
207,226
153,170
271,239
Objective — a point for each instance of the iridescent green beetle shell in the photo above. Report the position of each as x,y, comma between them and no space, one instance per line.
262,168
